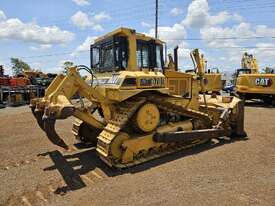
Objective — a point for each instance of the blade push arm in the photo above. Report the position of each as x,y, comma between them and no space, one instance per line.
57,104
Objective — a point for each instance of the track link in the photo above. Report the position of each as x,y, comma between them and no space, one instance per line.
123,114
170,105
76,128
158,152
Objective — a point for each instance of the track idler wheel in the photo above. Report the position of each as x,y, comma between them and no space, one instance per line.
116,145
49,128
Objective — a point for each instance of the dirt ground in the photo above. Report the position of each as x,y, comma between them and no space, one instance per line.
34,172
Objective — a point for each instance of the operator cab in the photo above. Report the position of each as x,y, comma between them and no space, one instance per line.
128,60
111,53
240,72
243,71
134,60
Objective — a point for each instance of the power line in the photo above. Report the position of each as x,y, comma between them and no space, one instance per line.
47,55
211,48
151,14
222,38
117,12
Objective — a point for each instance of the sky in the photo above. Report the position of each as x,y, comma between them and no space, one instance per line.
46,33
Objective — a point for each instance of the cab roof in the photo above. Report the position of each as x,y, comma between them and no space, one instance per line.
122,31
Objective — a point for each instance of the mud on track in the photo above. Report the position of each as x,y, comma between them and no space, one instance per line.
223,172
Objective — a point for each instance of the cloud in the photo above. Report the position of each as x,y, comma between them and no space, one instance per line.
225,36
81,20
233,49
174,36
265,52
198,15
41,47
215,37
102,16
228,42
263,30
81,2
237,17
15,29
176,12
220,18
84,21
2,15
171,35
85,46
144,24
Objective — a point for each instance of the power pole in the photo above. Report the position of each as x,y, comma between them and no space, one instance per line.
156,23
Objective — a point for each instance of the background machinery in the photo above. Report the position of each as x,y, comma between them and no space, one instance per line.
20,89
143,110
251,84
3,81
212,77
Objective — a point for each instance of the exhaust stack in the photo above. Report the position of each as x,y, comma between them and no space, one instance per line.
176,57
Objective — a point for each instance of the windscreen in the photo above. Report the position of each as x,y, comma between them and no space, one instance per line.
142,56
110,55
107,57
149,55
244,71
159,56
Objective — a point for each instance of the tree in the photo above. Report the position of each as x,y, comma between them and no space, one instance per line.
19,66
67,65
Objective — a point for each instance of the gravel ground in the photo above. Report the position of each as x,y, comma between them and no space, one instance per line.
34,172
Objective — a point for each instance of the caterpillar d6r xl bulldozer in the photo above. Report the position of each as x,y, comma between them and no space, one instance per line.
143,111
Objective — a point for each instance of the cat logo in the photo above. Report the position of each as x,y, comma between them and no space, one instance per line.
264,82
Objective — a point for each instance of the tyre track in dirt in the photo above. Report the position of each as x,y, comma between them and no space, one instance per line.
34,172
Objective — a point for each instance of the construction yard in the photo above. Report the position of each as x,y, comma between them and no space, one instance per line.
223,172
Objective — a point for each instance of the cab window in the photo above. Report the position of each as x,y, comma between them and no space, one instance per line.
142,55
159,56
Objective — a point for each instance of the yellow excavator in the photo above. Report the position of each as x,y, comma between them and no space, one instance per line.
251,84
143,110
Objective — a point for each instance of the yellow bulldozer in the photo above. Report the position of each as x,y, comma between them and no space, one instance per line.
143,110
212,77
251,84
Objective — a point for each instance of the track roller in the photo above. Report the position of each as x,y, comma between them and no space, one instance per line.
147,118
